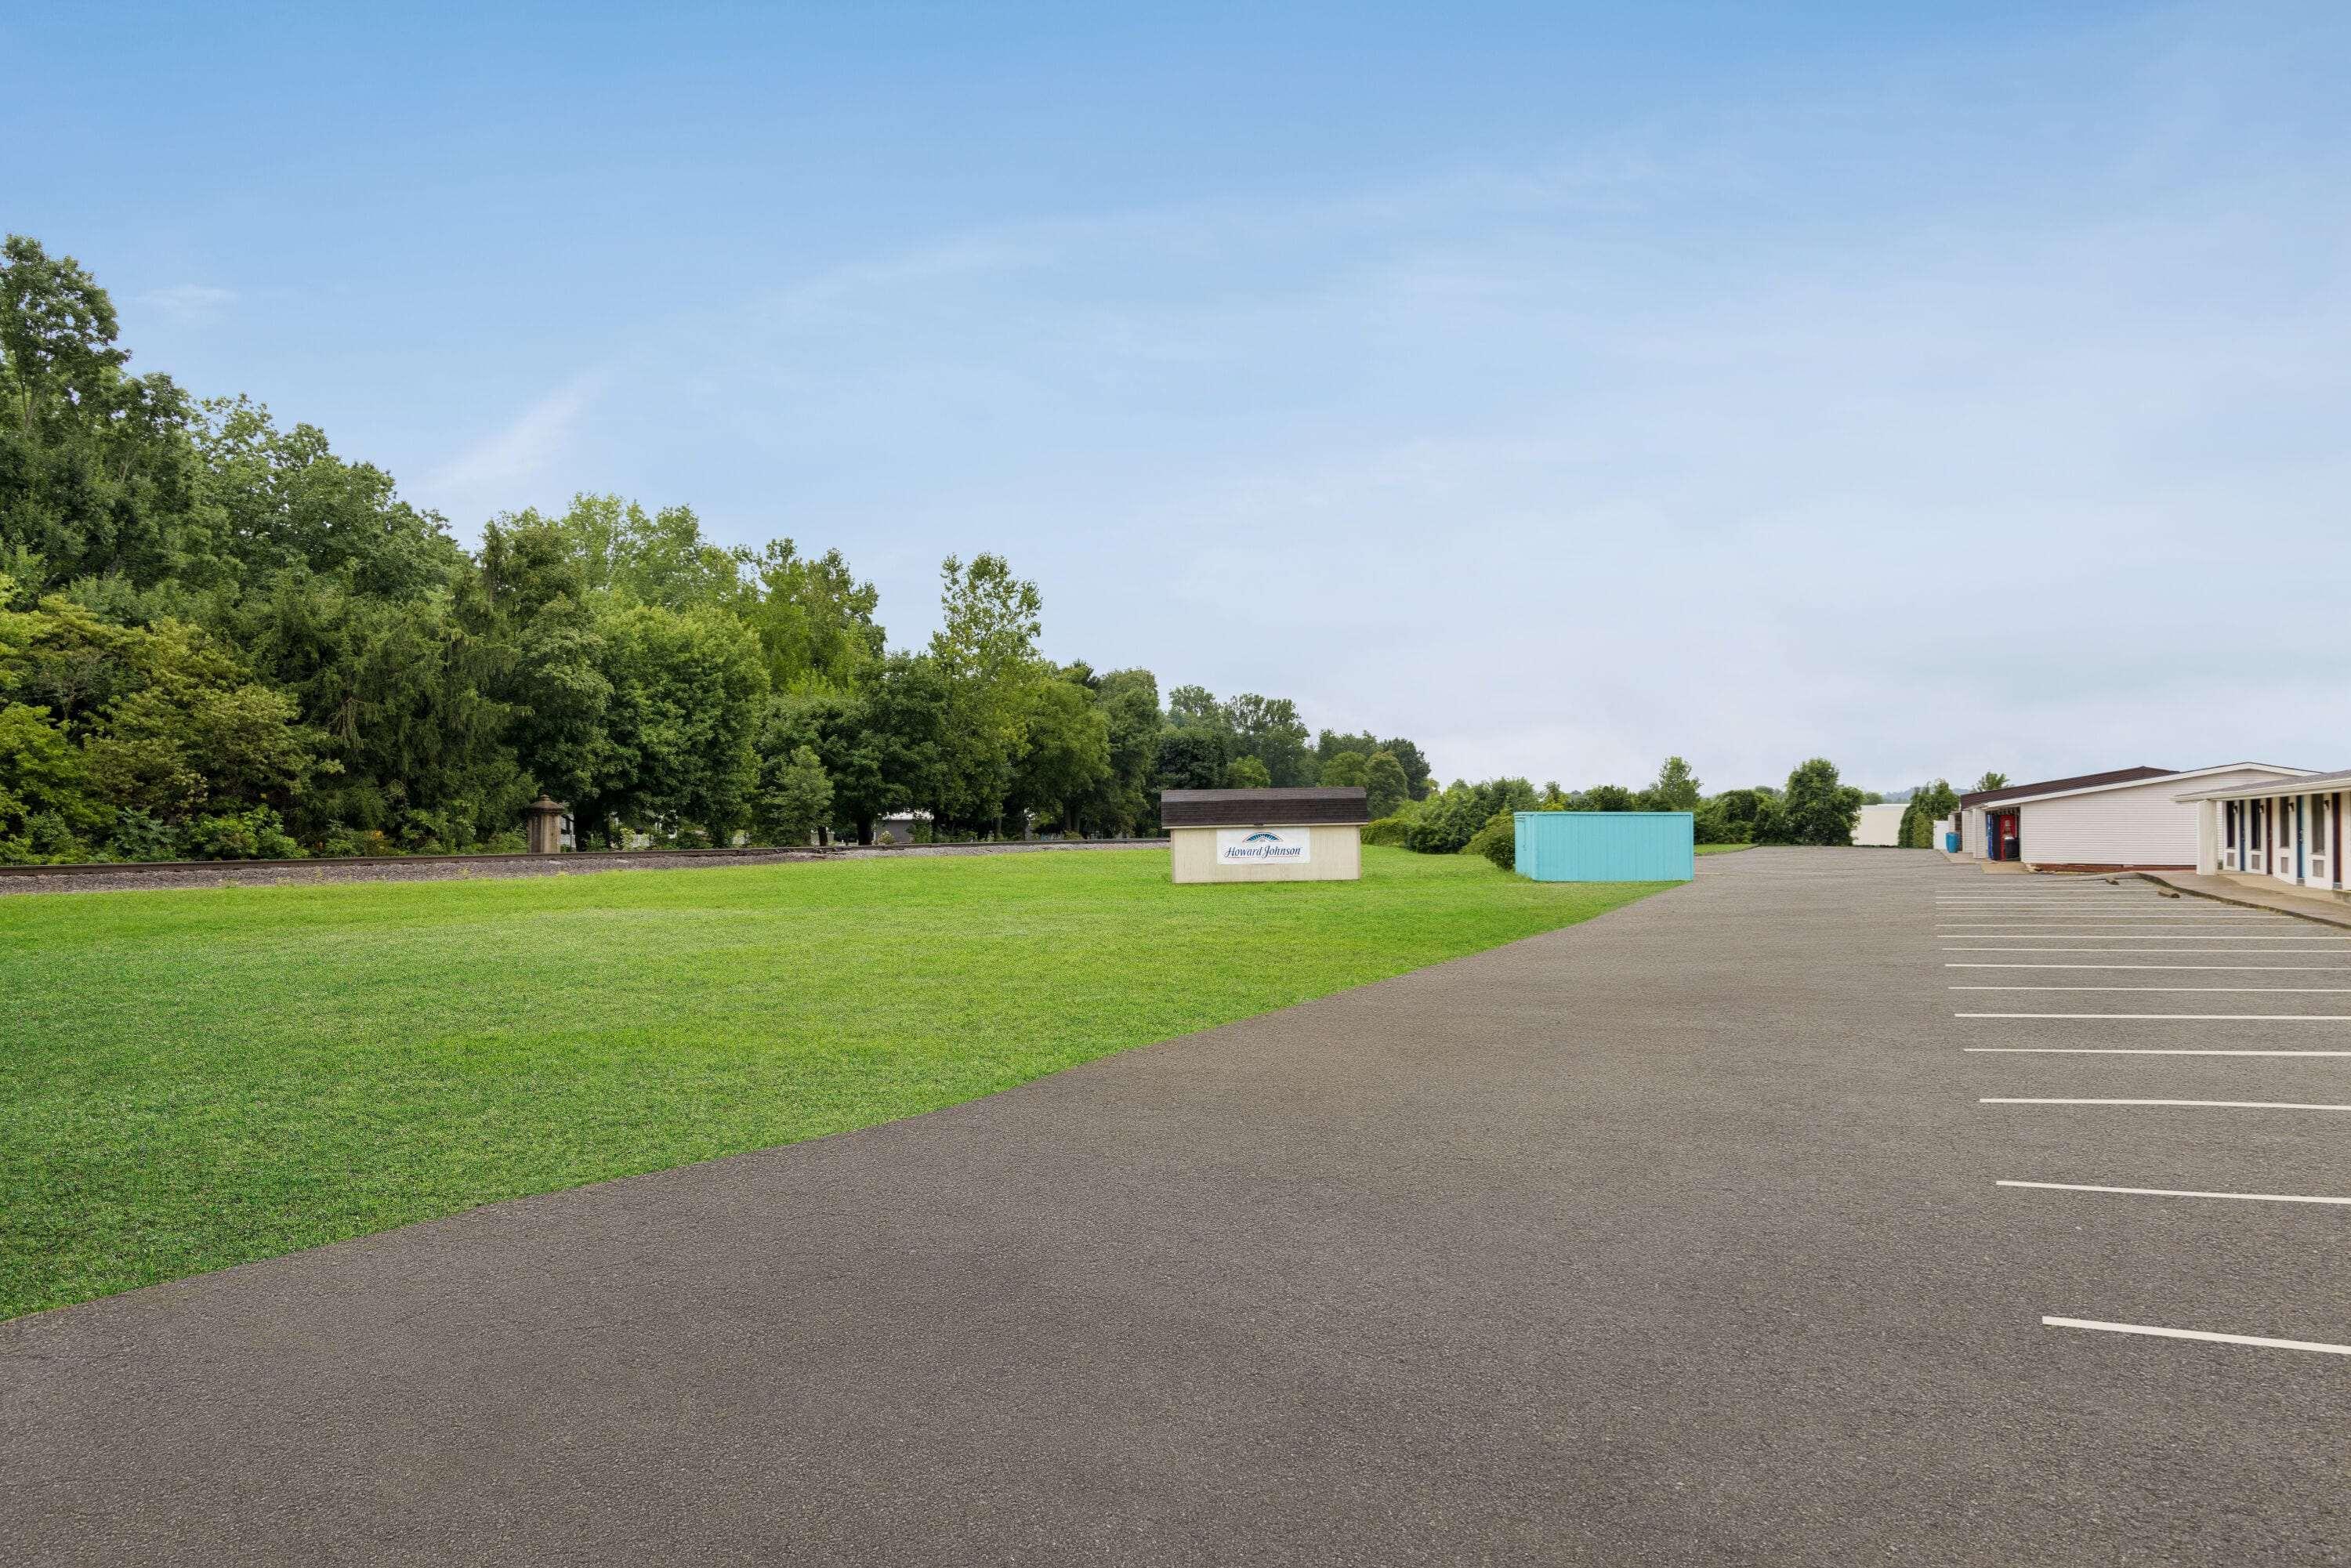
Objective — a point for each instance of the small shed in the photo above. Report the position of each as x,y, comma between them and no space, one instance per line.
1606,846
1265,835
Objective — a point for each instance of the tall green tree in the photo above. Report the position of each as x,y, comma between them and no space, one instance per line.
1417,774
1269,729
97,476
794,800
1196,707
1126,801
1192,757
1385,789
687,690
1064,755
415,750
987,649
1816,808
1675,789
906,715
651,558
1344,770
529,595
286,502
814,619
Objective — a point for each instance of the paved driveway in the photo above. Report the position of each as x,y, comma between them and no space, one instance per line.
1673,1237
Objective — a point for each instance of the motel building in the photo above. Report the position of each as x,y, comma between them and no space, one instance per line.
2130,818
2278,834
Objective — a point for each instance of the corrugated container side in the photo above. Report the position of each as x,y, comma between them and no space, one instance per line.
1606,846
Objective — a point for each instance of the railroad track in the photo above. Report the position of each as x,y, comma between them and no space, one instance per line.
405,867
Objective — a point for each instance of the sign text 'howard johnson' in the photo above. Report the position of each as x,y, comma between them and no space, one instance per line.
1284,846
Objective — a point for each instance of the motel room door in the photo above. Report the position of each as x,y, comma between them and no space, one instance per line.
2257,835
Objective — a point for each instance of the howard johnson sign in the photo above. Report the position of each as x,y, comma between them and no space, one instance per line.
1264,846
1311,834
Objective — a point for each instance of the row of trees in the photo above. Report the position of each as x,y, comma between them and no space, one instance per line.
1814,806
220,638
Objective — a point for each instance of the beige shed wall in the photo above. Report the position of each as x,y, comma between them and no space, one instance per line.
1337,856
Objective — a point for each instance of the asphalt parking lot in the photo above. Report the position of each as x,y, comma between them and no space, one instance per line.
2173,1070
1681,1236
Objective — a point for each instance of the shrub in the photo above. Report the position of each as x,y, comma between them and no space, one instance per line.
1448,820
1498,840
1388,830
253,835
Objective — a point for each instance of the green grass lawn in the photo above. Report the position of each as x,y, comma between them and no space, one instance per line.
1722,848
190,1080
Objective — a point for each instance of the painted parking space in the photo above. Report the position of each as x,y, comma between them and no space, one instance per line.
2171,1069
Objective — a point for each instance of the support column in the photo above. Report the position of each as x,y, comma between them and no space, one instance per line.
543,824
2208,837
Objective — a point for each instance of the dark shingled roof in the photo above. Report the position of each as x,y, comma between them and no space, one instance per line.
1336,807
2050,786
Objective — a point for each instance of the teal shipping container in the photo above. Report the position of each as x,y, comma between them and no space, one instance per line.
1608,846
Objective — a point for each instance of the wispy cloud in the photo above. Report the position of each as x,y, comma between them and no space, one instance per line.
191,304
509,470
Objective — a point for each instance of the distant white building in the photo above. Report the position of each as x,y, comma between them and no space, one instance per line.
2133,819
1880,826
903,827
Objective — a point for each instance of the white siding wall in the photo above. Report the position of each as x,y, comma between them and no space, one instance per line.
2140,825
1972,832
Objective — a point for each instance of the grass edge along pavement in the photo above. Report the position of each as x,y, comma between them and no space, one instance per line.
204,1078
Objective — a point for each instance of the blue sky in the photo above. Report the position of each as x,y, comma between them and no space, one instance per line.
1934,387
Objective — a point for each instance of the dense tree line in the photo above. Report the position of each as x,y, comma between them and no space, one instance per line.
1814,806
218,637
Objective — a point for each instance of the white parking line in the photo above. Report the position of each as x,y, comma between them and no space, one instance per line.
2185,1016
2127,953
2193,1104
2247,990
2134,936
2130,1050
2260,1341
2222,969
2171,1192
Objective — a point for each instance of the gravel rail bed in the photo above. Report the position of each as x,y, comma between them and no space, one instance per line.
458,868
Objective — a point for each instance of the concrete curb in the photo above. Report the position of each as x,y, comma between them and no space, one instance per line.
2316,917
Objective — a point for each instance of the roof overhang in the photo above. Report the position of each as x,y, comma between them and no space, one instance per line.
2184,775
1326,806
2296,782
